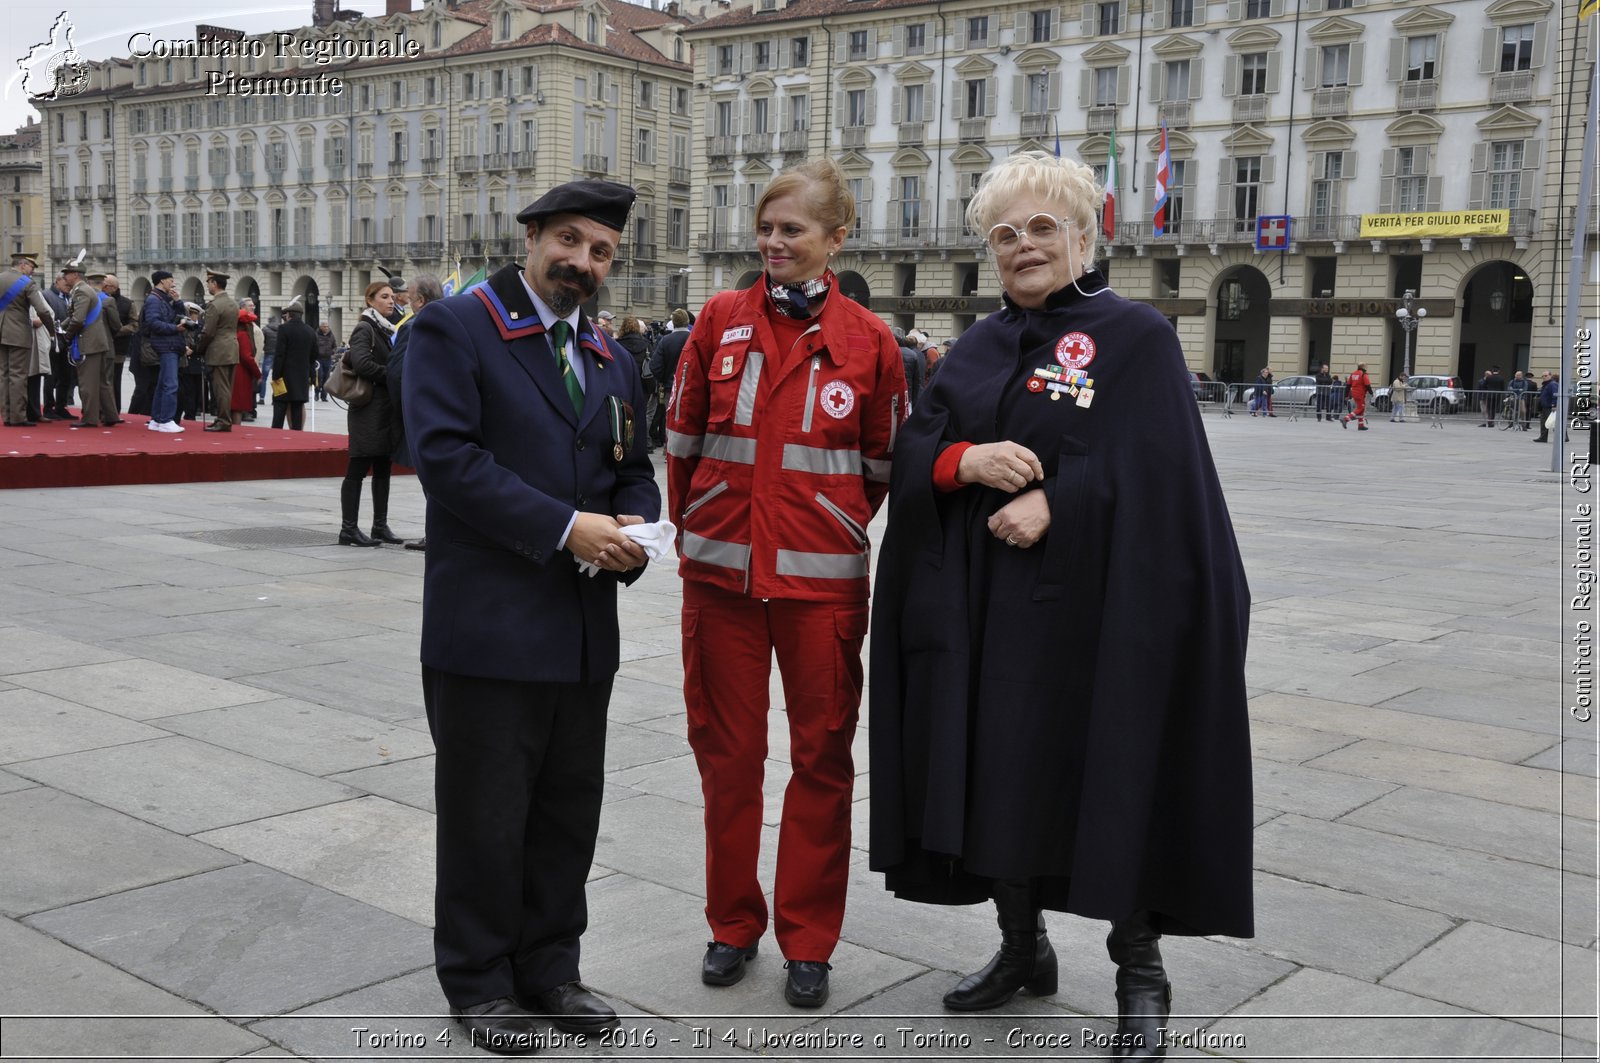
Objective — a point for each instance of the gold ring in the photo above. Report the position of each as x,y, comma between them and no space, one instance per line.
1012,539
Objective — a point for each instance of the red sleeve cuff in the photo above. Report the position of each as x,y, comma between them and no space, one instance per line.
944,468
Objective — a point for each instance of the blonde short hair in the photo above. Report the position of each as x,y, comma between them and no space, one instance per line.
1044,176
820,184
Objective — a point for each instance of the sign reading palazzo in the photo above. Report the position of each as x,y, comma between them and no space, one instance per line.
1436,223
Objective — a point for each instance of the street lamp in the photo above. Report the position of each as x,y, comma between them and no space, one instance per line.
1408,319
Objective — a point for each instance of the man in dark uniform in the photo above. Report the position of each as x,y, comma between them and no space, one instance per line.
17,293
123,338
58,388
521,418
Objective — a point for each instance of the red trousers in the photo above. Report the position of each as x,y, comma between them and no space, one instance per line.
728,643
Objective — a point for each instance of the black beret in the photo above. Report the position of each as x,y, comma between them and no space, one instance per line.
603,201
158,276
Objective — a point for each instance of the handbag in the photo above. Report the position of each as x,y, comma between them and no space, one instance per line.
344,384
280,387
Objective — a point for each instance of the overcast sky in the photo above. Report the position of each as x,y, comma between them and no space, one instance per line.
101,29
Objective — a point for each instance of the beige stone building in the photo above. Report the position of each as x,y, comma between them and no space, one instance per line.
448,120
1326,113
22,215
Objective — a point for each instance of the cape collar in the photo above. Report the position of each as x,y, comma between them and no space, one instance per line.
514,315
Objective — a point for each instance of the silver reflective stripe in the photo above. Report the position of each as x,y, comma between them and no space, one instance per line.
894,420
745,411
841,516
798,458
811,394
730,448
703,499
877,469
716,552
821,566
683,446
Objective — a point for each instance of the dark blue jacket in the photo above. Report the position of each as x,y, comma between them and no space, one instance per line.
505,462
160,322
1547,395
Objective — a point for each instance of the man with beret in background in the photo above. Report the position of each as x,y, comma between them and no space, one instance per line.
522,419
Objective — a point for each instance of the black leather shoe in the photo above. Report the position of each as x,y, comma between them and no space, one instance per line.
381,532
417,544
350,535
572,1007
82,424
500,1026
807,984
218,426
724,964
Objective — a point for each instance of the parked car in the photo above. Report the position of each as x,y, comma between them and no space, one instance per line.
1294,391
1205,388
1434,394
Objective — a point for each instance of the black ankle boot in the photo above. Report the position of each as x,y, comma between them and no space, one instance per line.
1144,996
381,532
1025,960
350,535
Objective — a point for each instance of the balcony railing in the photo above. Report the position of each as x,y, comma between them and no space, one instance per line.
363,169
165,184
597,163
758,143
972,130
1037,125
794,141
466,163
644,251
1327,227
727,240
308,174
141,185
1252,108
1101,119
1176,113
678,175
913,132
336,173
397,167
1418,96
1514,86
497,160
191,183
918,236
105,191
59,195
853,136
247,178
722,146
1330,103
83,193
425,250
524,160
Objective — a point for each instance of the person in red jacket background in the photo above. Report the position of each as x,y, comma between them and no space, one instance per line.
780,430
1360,387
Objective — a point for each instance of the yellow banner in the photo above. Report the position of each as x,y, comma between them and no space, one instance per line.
1587,8
1436,223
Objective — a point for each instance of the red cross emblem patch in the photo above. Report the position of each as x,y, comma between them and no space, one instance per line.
1075,350
838,399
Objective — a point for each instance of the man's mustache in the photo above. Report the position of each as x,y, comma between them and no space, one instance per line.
573,276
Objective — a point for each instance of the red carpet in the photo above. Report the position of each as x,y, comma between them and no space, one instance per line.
53,455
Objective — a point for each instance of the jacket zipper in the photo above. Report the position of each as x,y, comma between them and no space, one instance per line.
811,393
842,517
703,499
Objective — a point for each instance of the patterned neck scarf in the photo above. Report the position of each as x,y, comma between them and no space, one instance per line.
797,300
385,326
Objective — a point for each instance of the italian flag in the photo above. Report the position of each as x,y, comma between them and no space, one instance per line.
1108,213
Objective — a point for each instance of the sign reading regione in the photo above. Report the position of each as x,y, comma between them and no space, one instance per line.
1272,232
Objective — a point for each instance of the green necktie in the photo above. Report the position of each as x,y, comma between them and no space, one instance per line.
562,331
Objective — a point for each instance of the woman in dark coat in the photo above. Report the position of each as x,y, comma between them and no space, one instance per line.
371,423
633,339
292,364
1058,699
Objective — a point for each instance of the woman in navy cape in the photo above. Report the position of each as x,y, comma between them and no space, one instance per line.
1058,638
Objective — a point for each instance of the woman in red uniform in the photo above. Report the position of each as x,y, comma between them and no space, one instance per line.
780,429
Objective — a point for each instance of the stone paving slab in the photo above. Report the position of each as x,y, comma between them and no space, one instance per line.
354,686
1533,979
183,785
10,783
1290,743
1469,776
1311,791
92,623
64,981
61,849
1335,1017
243,941
370,849
1575,756
211,651
1529,712
25,650
1486,826
140,690
38,725
1361,721
1422,874
409,782
296,734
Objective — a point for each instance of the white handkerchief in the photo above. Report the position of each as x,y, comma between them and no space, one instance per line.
655,538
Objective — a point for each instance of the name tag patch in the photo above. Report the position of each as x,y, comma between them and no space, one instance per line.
734,335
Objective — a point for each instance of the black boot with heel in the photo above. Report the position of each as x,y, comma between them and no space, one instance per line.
349,511
1144,996
1026,959
380,512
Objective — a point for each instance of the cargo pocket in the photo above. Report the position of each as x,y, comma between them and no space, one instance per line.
850,627
723,378
1067,502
